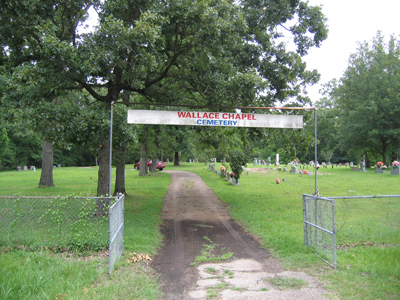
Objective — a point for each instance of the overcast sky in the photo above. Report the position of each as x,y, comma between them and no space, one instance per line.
349,22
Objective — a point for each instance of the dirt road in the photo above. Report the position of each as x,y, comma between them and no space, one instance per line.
197,226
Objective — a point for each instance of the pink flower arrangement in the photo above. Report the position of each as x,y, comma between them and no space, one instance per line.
380,164
396,164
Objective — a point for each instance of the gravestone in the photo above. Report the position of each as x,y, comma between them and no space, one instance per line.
294,170
284,169
301,172
362,167
228,177
25,168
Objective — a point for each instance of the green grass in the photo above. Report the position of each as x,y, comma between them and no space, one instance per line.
271,211
207,253
283,283
47,275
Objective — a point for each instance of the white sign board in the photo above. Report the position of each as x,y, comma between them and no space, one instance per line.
213,119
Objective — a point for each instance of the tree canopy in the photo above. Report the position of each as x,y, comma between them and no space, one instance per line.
219,53
210,52
368,98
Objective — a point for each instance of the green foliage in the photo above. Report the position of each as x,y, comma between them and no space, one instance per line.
238,160
4,140
214,53
367,99
208,52
23,147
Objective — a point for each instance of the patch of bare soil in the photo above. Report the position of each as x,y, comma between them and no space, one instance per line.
197,224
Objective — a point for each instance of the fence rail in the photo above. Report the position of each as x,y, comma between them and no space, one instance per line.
333,224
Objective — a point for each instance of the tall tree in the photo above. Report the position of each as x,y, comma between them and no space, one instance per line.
203,52
368,98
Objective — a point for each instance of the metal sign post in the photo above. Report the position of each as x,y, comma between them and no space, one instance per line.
316,152
110,158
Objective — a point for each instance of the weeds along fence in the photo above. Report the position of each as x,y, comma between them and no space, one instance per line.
61,223
333,224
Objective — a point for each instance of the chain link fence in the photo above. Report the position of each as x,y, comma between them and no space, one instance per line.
333,224
60,224
63,224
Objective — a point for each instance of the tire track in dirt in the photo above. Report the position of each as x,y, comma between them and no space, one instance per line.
194,217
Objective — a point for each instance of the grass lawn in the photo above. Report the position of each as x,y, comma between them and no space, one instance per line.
271,211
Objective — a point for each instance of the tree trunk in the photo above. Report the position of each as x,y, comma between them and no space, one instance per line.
394,156
153,164
143,160
46,177
120,174
176,159
104,163
367,162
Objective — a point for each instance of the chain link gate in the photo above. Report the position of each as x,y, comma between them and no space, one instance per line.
334,224
320,226
116,231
